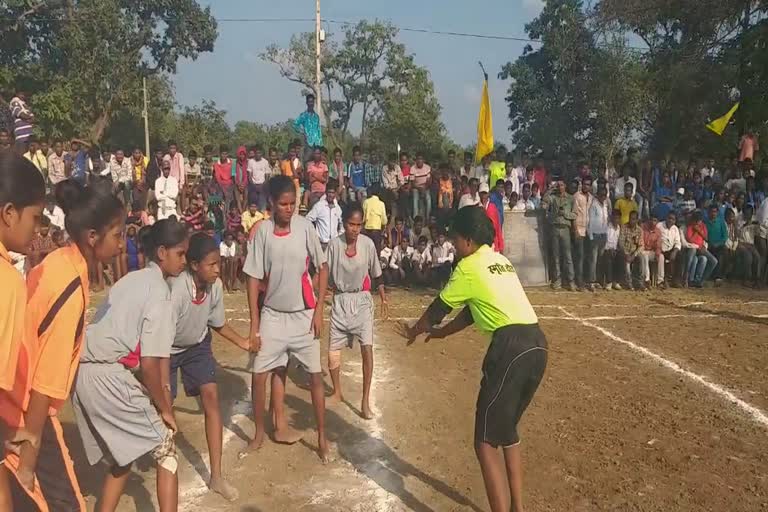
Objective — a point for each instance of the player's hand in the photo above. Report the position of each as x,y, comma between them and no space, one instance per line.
254,341
170,421
317,322
435,333
406,331
17,438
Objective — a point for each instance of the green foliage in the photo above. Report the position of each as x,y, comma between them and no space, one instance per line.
277,136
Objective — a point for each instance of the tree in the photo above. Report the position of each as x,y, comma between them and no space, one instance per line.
356,72
91,55
548,97
194,127
277,136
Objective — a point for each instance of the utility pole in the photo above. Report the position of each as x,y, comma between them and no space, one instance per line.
743,94
318,93
145,115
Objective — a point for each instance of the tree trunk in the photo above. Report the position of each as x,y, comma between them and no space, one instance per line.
330,133
100,126
363,141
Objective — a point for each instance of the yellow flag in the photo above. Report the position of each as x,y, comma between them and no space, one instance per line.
719,124
484,126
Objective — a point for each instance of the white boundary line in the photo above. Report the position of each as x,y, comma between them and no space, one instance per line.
756,414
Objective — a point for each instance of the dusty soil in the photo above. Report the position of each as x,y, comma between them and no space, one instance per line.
609,429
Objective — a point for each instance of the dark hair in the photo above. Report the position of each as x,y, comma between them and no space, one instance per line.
228,233
356,149
223,148
172,143
337,150
200,246
163,233
273,148
21,184
423,239
310,95
46,222
208,148
398,219
209,225
350,210
86,208
192,154
279,185
332,184
418,218
473,224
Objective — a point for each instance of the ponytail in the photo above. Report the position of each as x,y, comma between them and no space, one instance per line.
86,208
164,233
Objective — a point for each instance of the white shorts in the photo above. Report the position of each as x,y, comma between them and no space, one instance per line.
351,318
284,335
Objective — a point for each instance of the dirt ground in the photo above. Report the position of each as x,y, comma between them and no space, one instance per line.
651,402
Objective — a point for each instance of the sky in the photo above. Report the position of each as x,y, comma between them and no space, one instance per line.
250,89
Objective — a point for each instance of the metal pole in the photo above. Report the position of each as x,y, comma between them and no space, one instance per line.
318,93
145,115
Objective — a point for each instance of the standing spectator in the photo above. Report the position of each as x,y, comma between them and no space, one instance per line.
166,192
53,212
492,212
497,198
35,156
582,200
621,186
121,171
274,164
178,170
444,197
192,168
750,257
355,176
626,204
258,172
240,177
482,171
222,174
374,217
748,146
631,244
23,120
154,171
317,176
540,175
598,218
421,179
717,236
652,251
308,125
498,168
57,166
373,173
468,169
140,164
671,245
559,207
326,215
206,166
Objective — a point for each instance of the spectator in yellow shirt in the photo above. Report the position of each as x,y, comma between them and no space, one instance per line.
626,204
374,216
251,216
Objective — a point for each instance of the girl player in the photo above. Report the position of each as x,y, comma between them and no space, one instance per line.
22,198
133,329
54,330
198,303
353,264
289,323
486,283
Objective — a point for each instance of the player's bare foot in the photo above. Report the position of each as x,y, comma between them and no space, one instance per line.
365,412
288,435
336,398
223,488
323,451
254,446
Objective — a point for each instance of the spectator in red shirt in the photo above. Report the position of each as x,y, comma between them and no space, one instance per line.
704,262
317,175
651,251
222,174
540,175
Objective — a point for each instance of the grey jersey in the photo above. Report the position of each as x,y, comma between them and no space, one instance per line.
283,261
135,321
194,317
349,274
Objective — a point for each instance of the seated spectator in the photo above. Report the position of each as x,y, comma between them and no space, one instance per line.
525,202
42,243
421,262
747,252
210,229
717,235
671,244
651,252
401,263
536,194
53,212
398,233
703,263
418,231
626,204
194,217
471,197
251,216
631,244
442,254
133,259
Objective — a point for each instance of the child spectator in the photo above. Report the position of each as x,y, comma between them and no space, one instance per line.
442,254
210,229
631,244
234,219
228,252
421,261
194,216
251,216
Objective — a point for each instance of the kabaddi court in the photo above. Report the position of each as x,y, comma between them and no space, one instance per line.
651,402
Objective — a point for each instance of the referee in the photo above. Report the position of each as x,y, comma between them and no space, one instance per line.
487,285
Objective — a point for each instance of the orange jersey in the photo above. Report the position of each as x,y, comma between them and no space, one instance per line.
54,330
13,301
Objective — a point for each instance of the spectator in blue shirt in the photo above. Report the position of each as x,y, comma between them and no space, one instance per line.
664,194
497,198
356,175
717,234
308,125
77,160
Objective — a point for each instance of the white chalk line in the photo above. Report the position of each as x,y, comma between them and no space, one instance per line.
755,413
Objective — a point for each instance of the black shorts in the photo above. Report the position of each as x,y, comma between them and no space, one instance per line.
197,365
512,370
